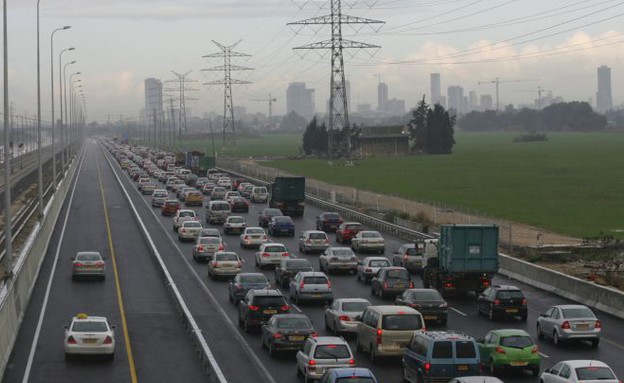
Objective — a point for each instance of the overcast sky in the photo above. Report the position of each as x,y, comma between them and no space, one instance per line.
553,44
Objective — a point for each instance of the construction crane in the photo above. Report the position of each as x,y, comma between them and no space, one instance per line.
539,91
497,81
270,100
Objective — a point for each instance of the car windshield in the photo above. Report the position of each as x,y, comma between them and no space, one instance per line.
397,274
318,236
236,220
275,249
88,257
187,214
226,257
516,341
354,306
379,263
254,231
594,373
315,280
371,234
209,241
426,295
298,264
401,322
192,224
513,294
578,312
269,301
253,278
342,252
332,351
294,323
90,326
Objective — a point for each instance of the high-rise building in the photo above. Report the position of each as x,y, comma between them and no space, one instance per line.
300,99
395,107
604,101
382,96
436,92
153,97
456,98
473,101
486,102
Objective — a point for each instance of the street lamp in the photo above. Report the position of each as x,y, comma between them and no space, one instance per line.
68,116
60,104
52,97
63,88
72,116
8,232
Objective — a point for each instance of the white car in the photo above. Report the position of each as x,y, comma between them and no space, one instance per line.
89,335
368,241
573,371
183,215
369,267
225,182
189,230
234,224
253,237
271,254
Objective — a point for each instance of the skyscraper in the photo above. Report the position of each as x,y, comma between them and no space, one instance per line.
456,98
382,96
436,92
300,99
604,101
153,97
486,102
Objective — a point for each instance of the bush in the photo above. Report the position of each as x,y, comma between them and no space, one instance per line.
531,137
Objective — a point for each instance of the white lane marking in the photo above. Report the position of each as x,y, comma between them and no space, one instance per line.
457,311
247,348
544,355
296,307
46,297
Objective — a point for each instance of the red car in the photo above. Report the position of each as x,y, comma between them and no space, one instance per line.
239,205
348,230
170,207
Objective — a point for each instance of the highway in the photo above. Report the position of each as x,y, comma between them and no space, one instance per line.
100,218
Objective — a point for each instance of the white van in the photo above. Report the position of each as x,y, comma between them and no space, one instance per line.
217,212
259,194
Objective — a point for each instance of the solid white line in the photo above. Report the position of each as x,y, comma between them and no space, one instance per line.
457,311
544,355
296,307
33,347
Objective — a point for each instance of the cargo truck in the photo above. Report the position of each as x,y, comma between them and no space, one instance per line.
288,195
466,259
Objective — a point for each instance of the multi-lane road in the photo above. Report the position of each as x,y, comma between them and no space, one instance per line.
152,343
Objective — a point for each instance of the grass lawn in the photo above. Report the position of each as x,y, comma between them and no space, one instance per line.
274,144
572,184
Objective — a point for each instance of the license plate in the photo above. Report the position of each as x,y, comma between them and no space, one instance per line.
431,317
317,295
516,364
512,310
89,340
462,367
399,285
270,311
296,337
582,326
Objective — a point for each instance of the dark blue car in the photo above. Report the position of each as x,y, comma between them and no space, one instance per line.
282,225
243,282
355,374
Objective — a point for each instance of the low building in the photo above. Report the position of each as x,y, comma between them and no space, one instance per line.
377,141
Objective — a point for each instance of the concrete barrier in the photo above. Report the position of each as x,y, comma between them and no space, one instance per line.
14,296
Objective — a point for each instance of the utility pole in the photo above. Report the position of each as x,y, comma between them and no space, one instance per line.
270,100
182,80
227,52
338,108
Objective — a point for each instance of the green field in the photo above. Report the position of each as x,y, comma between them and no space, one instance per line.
278,144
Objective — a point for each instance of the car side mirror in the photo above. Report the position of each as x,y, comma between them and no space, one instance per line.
113,327
542,315
66,327
358,318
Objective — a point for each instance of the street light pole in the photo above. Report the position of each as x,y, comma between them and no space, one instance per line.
52,98
69,116
62,84
8,232
39,162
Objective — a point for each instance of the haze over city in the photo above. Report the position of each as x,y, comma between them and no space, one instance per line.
555,45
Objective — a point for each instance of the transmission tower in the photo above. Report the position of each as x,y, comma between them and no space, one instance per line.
338,108
227,52
270,100
182,81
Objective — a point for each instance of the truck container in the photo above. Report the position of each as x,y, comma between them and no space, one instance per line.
466,259
288,195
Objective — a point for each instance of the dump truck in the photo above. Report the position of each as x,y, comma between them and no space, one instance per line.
466,259
288,195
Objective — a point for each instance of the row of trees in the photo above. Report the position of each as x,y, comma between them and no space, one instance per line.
431,129
562,117
316,139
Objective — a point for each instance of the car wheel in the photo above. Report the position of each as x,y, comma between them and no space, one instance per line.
372,354
523,318
540,334
594,342
493,369
556,339
271,349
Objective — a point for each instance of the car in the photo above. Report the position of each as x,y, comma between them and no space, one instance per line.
224,263
234,224
338,259
205,247
210,232
369,267
89,335
217,211
348,374
189,230
391,281
259,194
243,282
253,237
342,315
225,183
437,356
241,186
509,350
148,188
159,196
258,306
237,182
288,268
200,182
574,371
569,323
193,198
182,191
348,230
408,256
369,241
502,301
230,195
183,215
328,221
429,302
271,254
286,332
311,286
313,241
208,188
142,181
246,192
170,182
218,193
281,225
321,354
170,207
239,205
266,214
88,264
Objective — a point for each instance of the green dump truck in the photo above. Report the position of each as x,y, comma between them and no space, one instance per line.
288,195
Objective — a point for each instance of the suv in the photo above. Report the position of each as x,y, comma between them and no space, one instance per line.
386,330
409,257
321,354
258,306
437,356
502,301
391,281
311,285
348,230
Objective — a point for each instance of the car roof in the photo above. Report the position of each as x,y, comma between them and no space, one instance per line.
376,258
509,332
351,223
352,371
267,292
329,340
186,211
291,315
585,363
351,300
272,244
312,274
88,252
478,379
571,306
393,309
84,318
251,274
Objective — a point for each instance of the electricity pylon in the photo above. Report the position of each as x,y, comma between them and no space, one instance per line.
182,80
227,52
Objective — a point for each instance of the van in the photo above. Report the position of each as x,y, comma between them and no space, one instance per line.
217,212
259,194
386,330
439,356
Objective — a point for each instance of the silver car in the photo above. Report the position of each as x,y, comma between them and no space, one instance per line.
368,241
369,267
88,264
234,224
311,286
338,259
189,230
321,354
271,254
569,322
253,237
205,247
341,315
224,263
313,241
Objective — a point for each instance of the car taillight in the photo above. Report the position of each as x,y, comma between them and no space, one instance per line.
565,325
183,230
524,301
266,254
238,286
200,248
411,285
246,237
71,340
221,246
312,362
344,318
598,324
534,350
301,285
352,362
314,335
253,308
500,350
285,254
496,302
215,264
285,308
78,265
108,340
278,335
448,285
308,241
385,285
379,334
427,367
405,257
239,264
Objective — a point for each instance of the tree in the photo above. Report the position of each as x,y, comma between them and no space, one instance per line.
418,126
315,138
431,130
293,122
